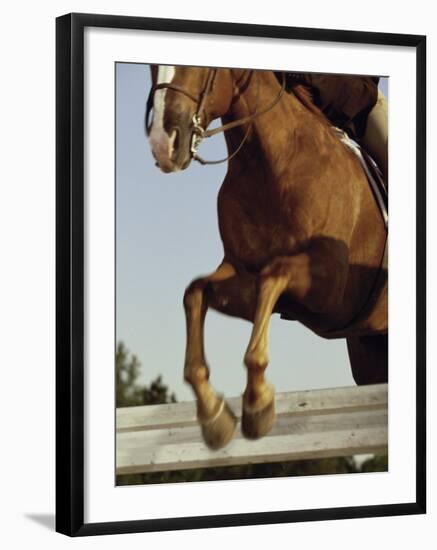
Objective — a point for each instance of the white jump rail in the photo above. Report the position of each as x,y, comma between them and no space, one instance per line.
309,424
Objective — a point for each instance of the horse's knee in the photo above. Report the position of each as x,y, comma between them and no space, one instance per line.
196,374
256,360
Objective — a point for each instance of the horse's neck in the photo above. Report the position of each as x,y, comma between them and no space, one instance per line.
271,134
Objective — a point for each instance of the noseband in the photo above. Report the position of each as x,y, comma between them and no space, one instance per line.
198,131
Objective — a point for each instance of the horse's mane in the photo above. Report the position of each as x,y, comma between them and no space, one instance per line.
304,95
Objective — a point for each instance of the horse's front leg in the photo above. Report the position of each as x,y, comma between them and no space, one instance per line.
216,419
259,396
315,279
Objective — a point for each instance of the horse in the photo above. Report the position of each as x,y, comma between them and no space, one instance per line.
301,231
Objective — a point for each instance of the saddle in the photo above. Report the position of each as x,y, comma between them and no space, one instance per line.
372,171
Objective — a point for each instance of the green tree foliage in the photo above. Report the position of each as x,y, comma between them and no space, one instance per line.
130,393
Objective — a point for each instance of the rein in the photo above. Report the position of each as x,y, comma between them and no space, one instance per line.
198,131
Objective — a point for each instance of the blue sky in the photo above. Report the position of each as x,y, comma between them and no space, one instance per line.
166,235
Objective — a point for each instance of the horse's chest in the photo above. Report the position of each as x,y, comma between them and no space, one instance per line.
252,235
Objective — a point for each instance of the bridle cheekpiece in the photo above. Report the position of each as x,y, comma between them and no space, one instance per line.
199,133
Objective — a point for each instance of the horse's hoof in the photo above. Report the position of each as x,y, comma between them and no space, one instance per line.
256,423
218,429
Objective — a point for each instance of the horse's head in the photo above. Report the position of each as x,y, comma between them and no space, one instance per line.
185,100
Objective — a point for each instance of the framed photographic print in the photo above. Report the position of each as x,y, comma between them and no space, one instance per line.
229,348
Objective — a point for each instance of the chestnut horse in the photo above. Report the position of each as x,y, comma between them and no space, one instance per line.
301,230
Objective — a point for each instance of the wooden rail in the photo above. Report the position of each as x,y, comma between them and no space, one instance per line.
309,424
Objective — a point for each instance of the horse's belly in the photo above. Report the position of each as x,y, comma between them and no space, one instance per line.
373,321
377,321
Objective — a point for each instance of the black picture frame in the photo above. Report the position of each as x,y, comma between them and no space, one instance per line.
70,273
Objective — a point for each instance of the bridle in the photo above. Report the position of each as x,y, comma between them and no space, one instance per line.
198,131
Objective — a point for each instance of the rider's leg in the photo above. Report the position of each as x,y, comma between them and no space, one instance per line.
375,139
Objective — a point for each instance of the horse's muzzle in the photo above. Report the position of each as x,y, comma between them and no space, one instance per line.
171,150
